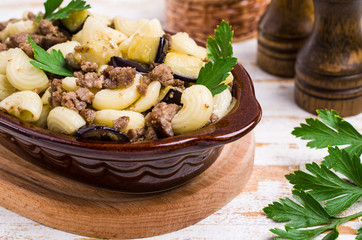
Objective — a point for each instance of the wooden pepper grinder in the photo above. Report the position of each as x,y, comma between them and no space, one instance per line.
283,30
329,66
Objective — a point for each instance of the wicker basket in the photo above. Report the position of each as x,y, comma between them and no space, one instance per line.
200,17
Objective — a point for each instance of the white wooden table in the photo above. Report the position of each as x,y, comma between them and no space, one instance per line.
277,151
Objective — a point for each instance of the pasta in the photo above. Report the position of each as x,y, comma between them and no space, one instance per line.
117,99
46,96
182,43
4,57
221,103
14,28
6,89
64,120
42,121
197,107
128,26
25,105
65,48
184,64
22,75
107,116
94,29
69,84
149,100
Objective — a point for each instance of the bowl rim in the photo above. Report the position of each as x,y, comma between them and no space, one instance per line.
229,128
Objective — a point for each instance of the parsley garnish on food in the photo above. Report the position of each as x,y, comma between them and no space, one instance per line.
320,193
51,5
222,61
52,62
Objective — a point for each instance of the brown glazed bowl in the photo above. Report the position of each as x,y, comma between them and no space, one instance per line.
141,167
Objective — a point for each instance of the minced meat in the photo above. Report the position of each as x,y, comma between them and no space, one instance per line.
121,122
71,101
88,115
87,66
88,80
84,94
118,76
164,75
56,92
160,118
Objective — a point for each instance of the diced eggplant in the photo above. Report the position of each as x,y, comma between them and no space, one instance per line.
172,96
184,78
75,21
101,133
161,50
122,62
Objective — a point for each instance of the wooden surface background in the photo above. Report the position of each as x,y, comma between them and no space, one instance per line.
277,151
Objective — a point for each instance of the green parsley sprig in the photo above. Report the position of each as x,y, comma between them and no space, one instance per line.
320,193
51,5
222,61
52,62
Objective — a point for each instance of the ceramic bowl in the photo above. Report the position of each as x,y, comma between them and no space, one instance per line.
142,167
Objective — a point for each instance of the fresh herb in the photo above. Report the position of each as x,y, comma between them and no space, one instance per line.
51,5
52,62
359,236
222,61
320,193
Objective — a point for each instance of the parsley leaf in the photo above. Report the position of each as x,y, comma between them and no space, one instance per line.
51,5
213,73
333,131
359,236
53,62
220,46
324,185
321,194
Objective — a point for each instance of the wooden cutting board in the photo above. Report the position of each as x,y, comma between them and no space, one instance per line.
74,207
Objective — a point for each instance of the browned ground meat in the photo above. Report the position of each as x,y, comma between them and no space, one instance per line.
84,94
3,47
56,92
150,134
46,35
168,37
72,62
87,66
121,122
88,115
160,118
70,100
88,80
122,76
163,74
3,25
136,135
142,89
31,16
145,79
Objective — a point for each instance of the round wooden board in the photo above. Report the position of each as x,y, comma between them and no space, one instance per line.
82,209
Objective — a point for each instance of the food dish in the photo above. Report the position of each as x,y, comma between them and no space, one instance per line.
140,166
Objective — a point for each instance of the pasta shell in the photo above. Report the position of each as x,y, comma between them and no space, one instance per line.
197,107
149,100
184,64
128,26
117,99
182,43
221,103
64,120
25,105
22,75
107,116
6,89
